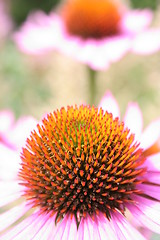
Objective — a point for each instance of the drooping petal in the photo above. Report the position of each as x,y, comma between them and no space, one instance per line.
150,190
123,229
143,19
147,42
9,163
67,229
9,217
108,103
133,119
98,229
150,134
21,131
6,121
29,228
91,49
10,191
37,35
115,47
153,163
147,213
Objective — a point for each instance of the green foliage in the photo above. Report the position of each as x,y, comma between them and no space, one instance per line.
153,4
21,87
21,8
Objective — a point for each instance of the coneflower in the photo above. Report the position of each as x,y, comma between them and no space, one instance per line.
93,32
81,171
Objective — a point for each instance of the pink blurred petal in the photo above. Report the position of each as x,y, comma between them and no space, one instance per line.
21,131
9,163
114,48
136,20
9,217
151,134
153,168
108,103
89,50
147,42
133,119
6,120
10,191
153,162
38,36
28,228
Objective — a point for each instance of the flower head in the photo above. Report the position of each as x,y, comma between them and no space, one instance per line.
95,34
80,171
92,19
81,162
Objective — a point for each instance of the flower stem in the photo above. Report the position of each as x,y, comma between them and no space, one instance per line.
92,86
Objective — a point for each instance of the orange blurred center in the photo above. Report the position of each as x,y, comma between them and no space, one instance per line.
92,18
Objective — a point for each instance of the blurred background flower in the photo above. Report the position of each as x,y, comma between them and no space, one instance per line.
92,32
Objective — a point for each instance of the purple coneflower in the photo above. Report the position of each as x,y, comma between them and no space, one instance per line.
93,32
81,171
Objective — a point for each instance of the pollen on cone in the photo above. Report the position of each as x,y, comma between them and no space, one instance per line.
80,161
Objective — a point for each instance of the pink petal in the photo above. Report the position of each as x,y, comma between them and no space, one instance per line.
18,136
66,229
105,228
150,190
12,215
9,163
9,191
151,134
91,52
153,163
136,20
123,229
6,121
147,42
108,103
133,119
147,213
114,48
99,229
36,36
28,228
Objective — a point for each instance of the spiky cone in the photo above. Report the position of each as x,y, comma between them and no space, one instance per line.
80,171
